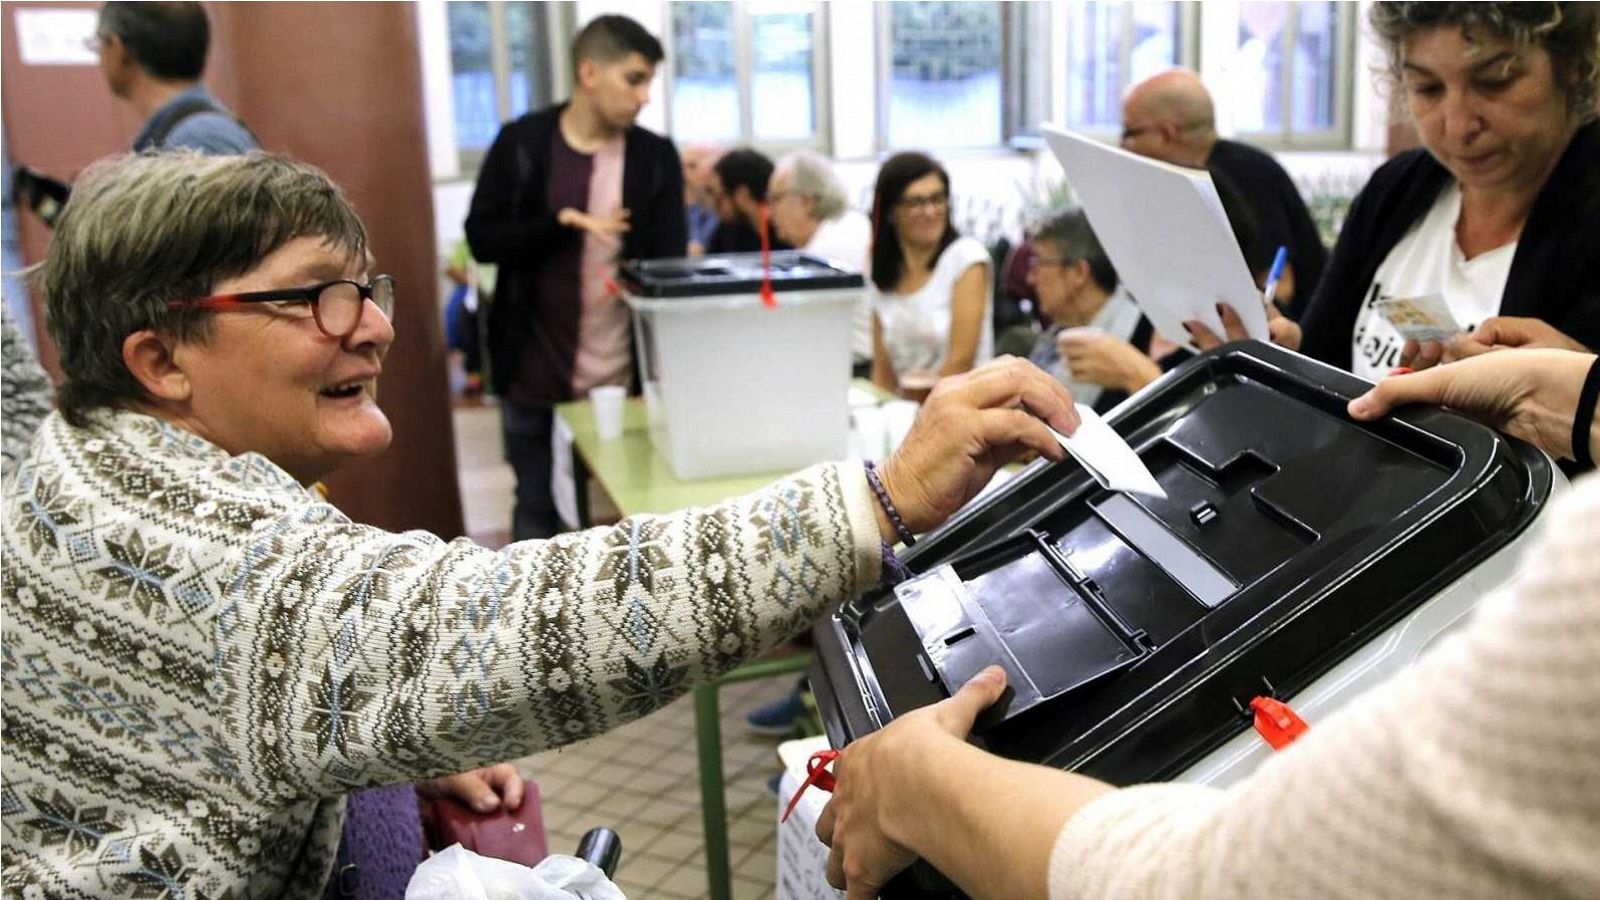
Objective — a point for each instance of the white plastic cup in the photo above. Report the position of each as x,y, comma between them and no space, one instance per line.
607,401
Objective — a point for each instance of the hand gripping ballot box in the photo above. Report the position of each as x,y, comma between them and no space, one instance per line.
734,385
1299,555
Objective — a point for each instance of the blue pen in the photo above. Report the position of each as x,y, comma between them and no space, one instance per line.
1275,273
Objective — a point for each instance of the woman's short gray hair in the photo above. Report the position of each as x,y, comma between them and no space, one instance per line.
142,231
1570,32
812,176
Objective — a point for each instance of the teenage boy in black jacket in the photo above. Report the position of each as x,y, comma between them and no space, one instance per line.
564,195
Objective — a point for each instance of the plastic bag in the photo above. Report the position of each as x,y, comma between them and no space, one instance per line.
457,873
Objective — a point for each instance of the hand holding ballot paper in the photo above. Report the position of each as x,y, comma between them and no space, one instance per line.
1165,231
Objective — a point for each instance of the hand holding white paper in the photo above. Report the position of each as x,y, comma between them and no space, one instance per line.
1164,229
1107,457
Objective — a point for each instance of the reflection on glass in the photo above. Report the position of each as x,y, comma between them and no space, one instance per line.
944,81
1315,42
705,84
1112,46
522,35
472,78
1258,65
781,90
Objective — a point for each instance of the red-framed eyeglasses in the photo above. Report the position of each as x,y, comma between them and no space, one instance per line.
336,305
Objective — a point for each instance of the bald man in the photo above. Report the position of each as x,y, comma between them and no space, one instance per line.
1169,117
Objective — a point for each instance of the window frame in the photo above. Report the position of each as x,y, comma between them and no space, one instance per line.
1187,41
1340,136
742,25
1027,88
548,20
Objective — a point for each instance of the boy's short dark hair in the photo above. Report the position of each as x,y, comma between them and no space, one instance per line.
610,38
745,168
168,40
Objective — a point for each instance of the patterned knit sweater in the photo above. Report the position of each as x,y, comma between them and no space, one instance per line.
1476,774
25,393
200,657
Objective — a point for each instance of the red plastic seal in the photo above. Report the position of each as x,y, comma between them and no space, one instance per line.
1277,724
816,774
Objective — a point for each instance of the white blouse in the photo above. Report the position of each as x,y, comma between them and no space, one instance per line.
916,326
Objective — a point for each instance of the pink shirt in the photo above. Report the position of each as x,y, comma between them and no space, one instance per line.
603,356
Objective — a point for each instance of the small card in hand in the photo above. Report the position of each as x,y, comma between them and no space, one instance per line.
1423,318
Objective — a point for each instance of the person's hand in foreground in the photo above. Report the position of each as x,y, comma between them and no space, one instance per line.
480,790
1496,333
917,788
971,425
1282,329
1095,357
1530,394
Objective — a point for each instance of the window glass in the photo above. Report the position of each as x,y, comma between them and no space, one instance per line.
522,38
1316,52
472,78
705,85
781,103
1111,47
944,75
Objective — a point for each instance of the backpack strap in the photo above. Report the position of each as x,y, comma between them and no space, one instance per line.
189,106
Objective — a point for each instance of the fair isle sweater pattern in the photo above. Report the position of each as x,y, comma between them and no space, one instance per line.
200,657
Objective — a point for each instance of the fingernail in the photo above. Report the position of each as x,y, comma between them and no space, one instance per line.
1400,370
1361,405
483,805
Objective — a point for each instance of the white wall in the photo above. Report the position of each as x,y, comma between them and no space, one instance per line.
998,177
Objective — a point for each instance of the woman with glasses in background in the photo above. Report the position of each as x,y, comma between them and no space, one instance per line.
934,287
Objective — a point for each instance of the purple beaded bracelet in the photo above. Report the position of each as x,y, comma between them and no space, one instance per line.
876,483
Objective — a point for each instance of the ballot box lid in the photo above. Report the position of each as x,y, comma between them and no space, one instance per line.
735,273
1132,627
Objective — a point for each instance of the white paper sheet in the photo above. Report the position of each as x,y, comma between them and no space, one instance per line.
1164,230
1103,452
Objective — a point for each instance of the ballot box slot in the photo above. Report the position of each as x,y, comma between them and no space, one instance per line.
1152,539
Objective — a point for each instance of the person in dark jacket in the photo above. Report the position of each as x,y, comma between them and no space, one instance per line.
564,195
1498,212
1170,117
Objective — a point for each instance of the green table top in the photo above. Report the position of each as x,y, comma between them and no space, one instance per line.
639,480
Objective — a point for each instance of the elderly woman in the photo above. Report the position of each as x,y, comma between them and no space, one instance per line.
201,657
934,287
1471,776
810,211
1498,212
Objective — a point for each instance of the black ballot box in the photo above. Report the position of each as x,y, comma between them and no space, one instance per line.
1298,554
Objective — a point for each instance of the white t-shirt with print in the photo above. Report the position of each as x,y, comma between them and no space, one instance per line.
1429,261
916,326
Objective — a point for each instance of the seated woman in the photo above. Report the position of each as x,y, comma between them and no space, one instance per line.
1470,775
1498,211
931,306
202,658
1098,342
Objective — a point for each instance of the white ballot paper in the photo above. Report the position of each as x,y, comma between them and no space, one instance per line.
1166,234
1099,449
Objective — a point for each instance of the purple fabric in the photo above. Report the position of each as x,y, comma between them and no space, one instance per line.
382,837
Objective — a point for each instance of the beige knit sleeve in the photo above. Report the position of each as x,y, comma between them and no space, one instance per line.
362,656
1474,775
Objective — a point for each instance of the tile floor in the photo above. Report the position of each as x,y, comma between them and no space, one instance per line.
640,780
